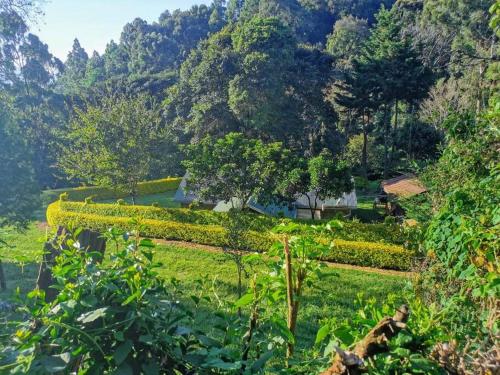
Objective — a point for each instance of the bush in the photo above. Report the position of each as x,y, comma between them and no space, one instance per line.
144,188
119,317
370,254
181,215
351,231
350,252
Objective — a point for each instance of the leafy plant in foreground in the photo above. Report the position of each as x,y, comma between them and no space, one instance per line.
409,351
117,317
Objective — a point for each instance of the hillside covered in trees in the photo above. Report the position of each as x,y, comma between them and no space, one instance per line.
261,102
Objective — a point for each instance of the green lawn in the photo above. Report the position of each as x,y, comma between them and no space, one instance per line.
163,199
365,211
334,297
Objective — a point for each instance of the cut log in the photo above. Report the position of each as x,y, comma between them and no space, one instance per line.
351,362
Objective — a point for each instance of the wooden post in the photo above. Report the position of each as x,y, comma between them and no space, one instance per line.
351,363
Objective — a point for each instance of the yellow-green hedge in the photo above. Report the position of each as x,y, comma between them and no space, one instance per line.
99,193
349,252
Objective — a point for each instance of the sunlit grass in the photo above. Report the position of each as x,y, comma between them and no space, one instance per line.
332,297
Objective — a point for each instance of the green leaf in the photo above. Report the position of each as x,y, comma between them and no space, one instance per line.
146,339
131,298
151,368
56,363
146,242
322,333
283,329
261,362
244,300
122,352
124,369
91,316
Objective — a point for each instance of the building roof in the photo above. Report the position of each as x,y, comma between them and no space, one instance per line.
403,186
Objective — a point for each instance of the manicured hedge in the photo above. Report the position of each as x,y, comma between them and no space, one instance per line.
351,231
370,254
350,252
144,188
181,215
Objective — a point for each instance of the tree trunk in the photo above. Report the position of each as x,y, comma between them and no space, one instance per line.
311,208
395,129
386,142
289,294
410,135
252,325
364,155
3,282
239,287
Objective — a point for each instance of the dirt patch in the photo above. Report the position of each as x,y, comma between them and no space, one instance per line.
42,225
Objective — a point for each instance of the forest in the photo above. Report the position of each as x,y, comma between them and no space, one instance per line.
165,204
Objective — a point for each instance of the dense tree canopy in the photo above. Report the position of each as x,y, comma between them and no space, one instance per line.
119,143
234,168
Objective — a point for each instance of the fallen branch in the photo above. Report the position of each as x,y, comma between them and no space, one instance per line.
351,362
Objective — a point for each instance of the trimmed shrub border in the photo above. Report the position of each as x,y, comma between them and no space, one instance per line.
352,231
144,188
368,254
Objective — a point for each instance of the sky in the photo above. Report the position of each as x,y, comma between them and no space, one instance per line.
96,22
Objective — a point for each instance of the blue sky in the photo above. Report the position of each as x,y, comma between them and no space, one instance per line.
96,22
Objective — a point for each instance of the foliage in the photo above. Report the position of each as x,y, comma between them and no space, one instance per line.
369,254
350,230
116,144
102,193
296,270
119,317
121,306
462,238
253,77
409,350
321,178
20,194
234,168
349,34
189,264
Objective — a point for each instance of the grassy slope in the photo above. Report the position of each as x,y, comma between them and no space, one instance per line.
333,297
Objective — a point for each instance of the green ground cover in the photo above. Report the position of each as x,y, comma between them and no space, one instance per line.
165,200
334,297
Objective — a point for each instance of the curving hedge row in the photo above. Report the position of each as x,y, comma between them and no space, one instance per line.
182,215
351,231
99,193
350,252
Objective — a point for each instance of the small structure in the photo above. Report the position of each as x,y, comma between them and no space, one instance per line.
403,186
298,209
326,208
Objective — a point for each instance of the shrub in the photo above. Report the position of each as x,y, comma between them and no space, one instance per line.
116,317
182,215
100,193
370,254
350,252
351,231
